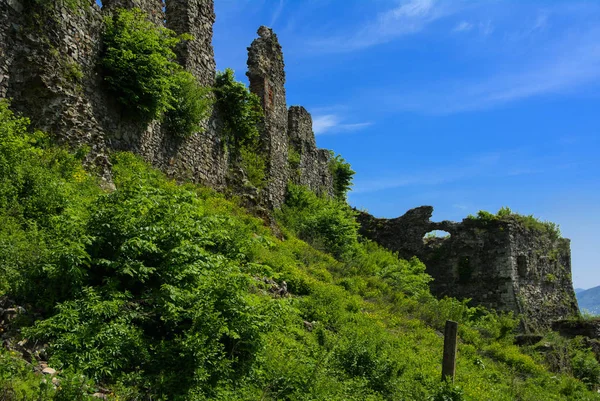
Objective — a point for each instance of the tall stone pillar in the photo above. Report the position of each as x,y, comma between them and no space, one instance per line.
267,78
195,17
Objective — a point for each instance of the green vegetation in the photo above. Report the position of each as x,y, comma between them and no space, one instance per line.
141,70
294,158
530,222
163,291
342,175
191,104
242,114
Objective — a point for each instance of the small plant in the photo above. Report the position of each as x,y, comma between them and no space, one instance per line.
294,158
448,392
73,72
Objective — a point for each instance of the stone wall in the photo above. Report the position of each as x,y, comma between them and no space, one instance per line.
49,60
312,170
499,263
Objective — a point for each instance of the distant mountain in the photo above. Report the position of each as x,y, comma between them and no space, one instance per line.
578,290
589,300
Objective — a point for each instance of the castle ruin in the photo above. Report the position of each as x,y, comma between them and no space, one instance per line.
499,263
50,69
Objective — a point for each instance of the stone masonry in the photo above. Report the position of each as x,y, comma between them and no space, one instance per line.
312,170
500,264
267,79
50,68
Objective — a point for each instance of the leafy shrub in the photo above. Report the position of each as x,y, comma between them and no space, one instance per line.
139,62
326,224
530,221
191,104
140,67
294,158
448,392
342,175
254,164
240,109
586,368
242,114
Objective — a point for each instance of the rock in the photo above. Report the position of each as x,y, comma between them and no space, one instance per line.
48,371
309,326
99,395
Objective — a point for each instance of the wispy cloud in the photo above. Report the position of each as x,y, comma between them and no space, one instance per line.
333,124
277,12
407,18
463,26
491,165
566,65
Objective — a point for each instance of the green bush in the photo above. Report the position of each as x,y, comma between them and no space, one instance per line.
191,104
140,68
139,62
327,224
242,115
342,175
240,109
586,367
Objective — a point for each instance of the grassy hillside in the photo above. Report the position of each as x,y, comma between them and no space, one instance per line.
171,292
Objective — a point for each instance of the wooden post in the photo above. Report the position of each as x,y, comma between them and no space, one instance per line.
449,361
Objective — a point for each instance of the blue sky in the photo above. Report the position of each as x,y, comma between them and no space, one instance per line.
462,105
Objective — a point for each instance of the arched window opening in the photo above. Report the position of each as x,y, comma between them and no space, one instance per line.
435,236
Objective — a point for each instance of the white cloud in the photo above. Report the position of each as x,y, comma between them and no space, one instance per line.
463,26
332,123
408,18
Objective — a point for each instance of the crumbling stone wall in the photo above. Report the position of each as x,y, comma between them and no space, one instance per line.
50,56
49,66
312,170
499,263
267,79
195,17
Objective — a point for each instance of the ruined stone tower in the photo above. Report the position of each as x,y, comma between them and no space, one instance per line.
267,80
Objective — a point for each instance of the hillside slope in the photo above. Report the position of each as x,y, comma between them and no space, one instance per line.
171,292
